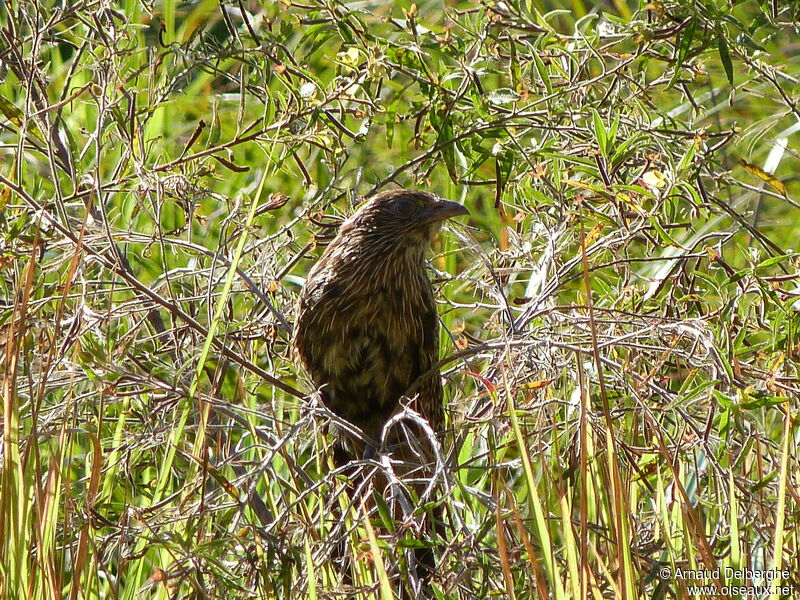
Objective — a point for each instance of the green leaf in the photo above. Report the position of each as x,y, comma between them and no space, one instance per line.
764,482
736,277
760,401
600,132
612,131
384,512
513,66
722,399
11,112
391,117
688,157
542,71
626,149
503,96
776,259
662,233
214,132
723,421
724,54
684,43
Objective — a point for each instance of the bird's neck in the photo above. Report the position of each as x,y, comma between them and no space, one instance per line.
390,266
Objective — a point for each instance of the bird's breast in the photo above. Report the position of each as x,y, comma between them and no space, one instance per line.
366,337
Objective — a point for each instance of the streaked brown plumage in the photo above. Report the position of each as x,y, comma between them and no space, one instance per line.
367,327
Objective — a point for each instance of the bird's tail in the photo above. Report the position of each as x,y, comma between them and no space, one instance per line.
404,479
414,471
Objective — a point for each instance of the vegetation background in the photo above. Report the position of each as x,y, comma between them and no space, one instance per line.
621,312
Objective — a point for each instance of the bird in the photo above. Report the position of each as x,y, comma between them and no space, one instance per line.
366,328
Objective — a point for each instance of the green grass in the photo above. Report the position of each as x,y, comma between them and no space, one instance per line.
620,312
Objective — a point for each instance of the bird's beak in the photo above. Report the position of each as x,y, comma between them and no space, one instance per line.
443,209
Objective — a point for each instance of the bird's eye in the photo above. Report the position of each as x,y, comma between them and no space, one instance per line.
404,207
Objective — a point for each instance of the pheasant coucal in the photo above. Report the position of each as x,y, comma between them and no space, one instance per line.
367,327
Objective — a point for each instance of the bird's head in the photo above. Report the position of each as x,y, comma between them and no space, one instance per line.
403,217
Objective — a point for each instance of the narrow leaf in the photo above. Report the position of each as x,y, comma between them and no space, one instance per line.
768,178
600,132
724,55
